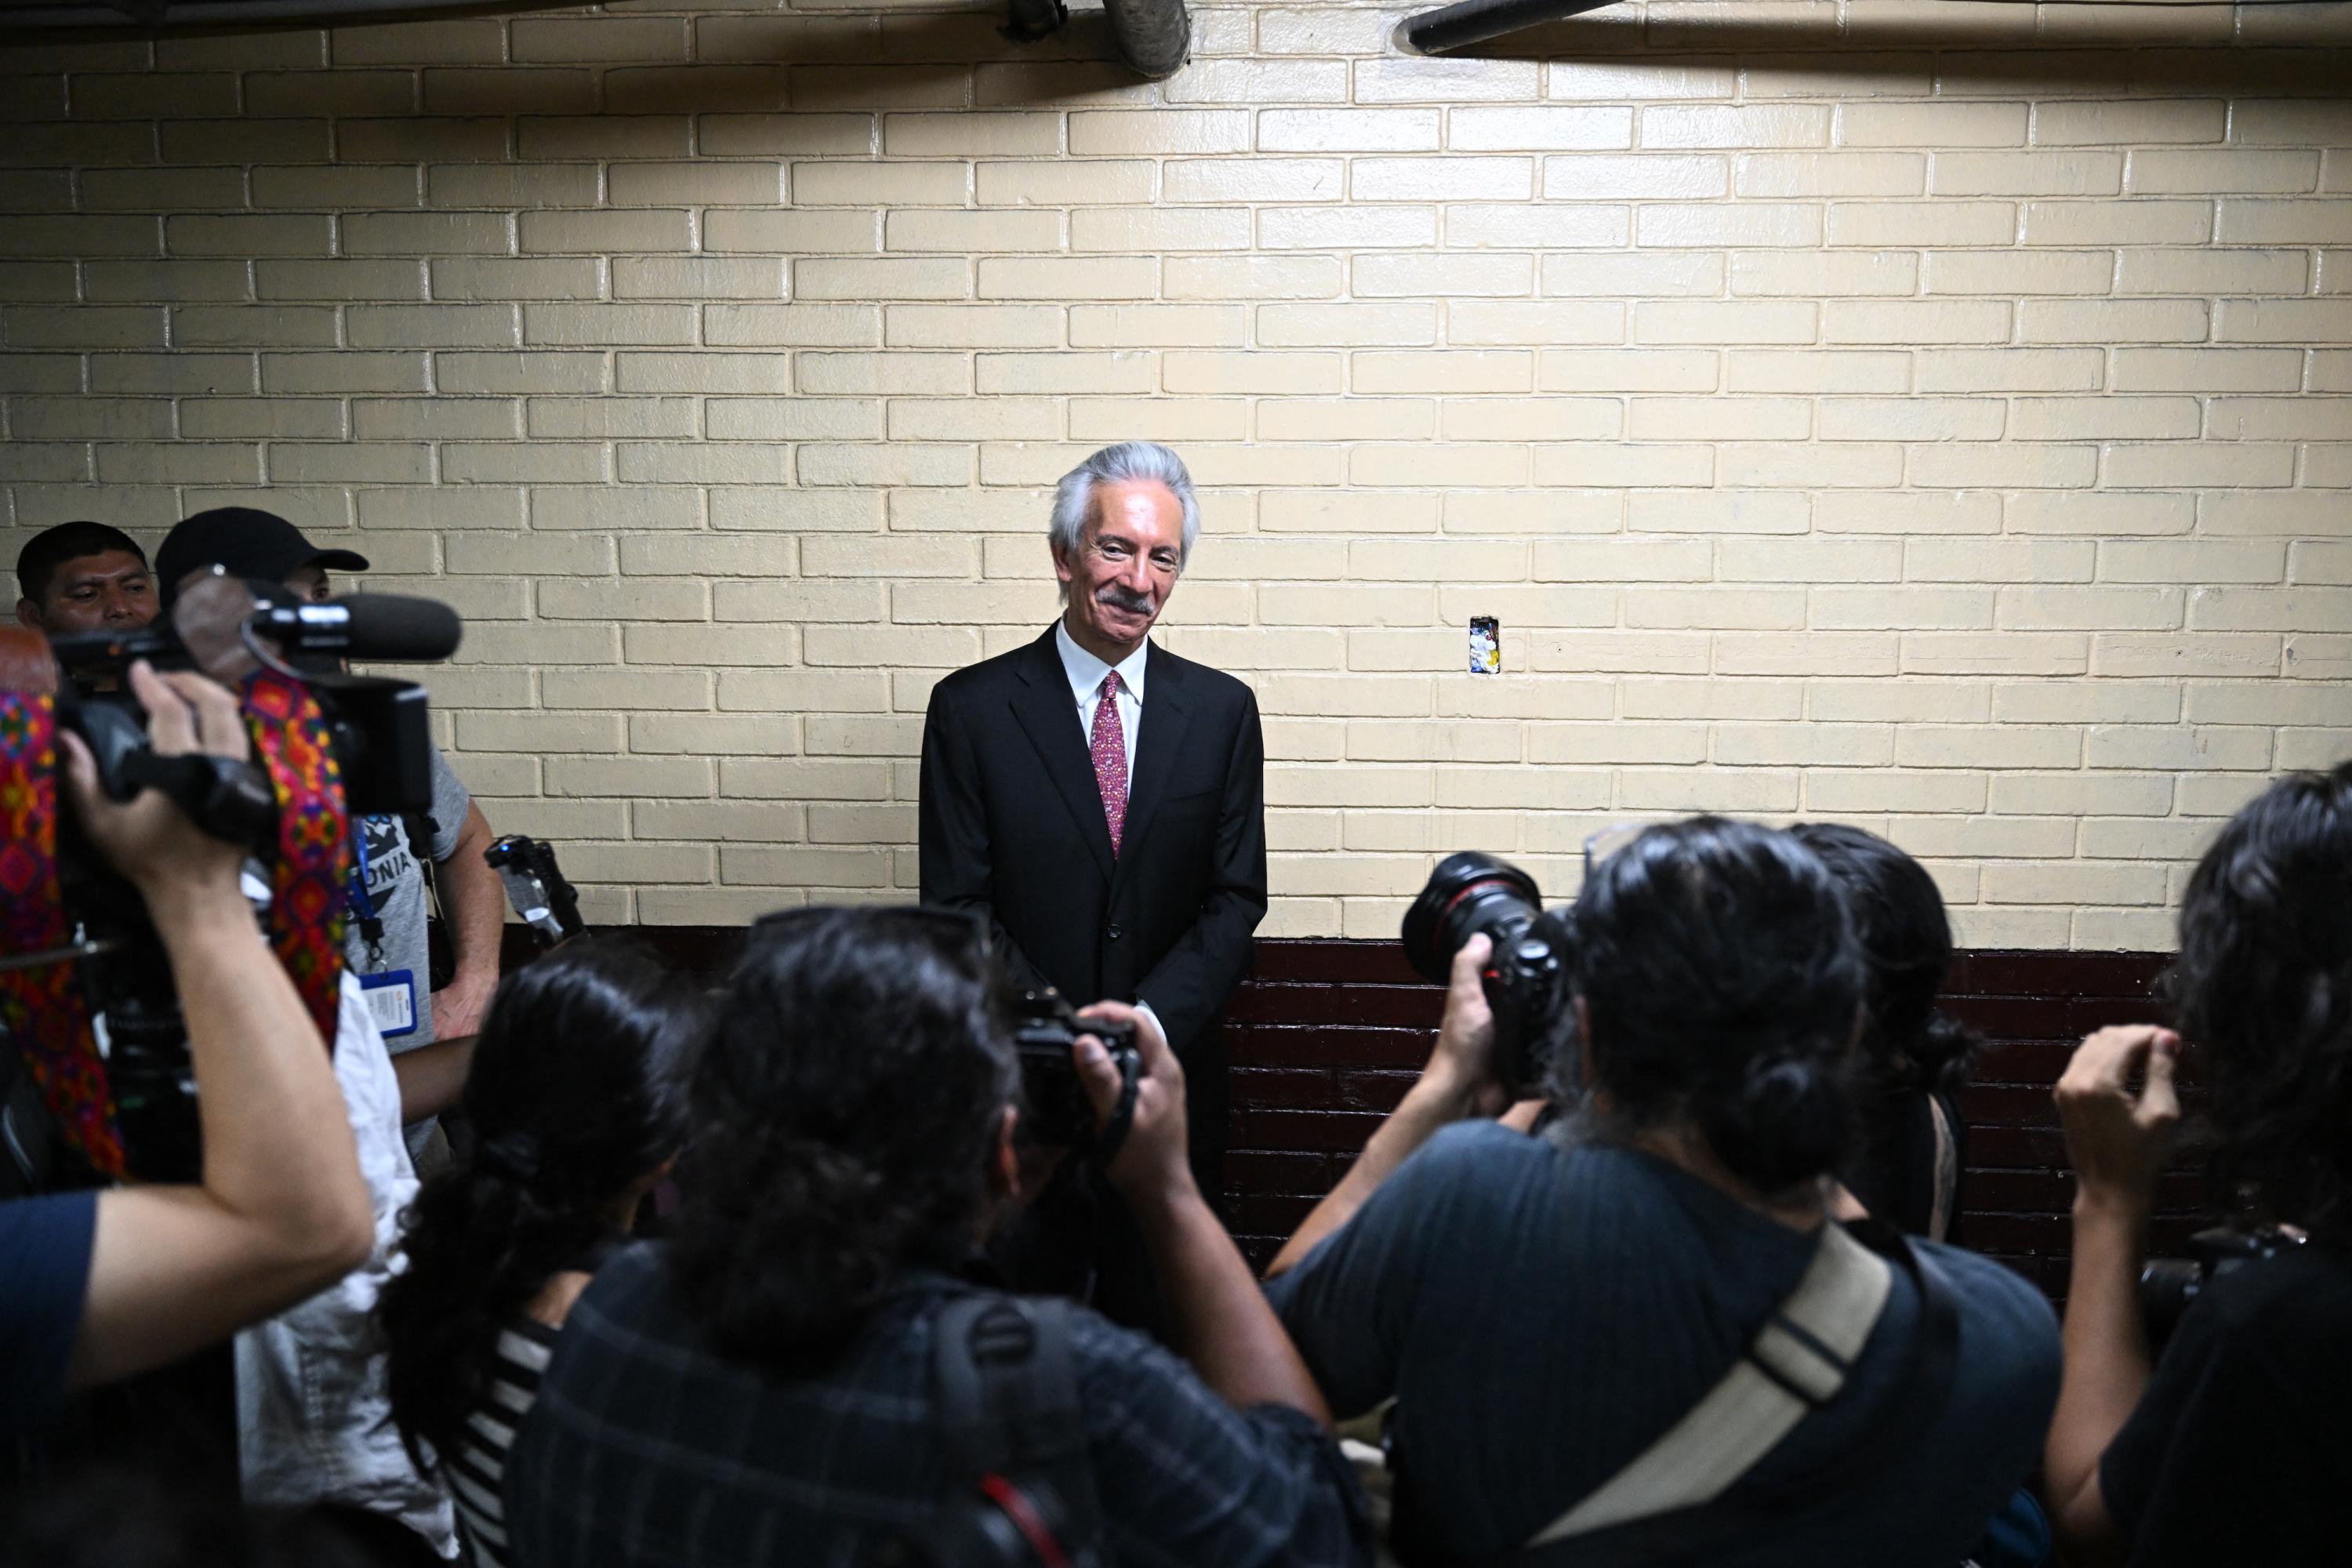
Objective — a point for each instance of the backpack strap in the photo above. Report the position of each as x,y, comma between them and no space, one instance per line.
1796,1363
1019,1483
1688,1531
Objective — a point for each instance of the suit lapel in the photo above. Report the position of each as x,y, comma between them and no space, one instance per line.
1165,718
1048,715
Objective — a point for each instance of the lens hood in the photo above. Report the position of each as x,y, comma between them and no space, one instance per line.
1453,905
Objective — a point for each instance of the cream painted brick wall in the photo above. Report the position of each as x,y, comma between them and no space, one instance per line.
1934,416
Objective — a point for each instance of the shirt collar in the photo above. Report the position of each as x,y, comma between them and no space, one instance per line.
1085,671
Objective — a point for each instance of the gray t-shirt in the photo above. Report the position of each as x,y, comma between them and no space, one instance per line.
395,887
1543,1312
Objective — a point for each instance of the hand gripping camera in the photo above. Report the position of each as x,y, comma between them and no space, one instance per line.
1526,979
1044,1028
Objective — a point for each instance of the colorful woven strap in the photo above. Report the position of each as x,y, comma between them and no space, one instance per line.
314,847
44,1005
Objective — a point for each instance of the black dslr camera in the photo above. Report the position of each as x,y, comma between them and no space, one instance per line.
547,904
377,731
1526,980
1044,1028
2168,1287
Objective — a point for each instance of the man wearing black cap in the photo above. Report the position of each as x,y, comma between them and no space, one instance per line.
250,543
386,943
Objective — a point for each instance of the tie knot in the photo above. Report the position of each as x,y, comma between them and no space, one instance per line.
1112,686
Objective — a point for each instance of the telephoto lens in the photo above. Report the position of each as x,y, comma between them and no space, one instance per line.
1524,979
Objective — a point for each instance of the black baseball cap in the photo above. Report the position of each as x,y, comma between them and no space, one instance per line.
246,542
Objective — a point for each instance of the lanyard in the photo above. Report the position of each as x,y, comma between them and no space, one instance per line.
371,926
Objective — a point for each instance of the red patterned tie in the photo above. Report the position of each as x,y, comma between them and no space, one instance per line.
1108,745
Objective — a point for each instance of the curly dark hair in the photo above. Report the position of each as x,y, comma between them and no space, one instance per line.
843,1115
1721,975
576,1094
2263,991
1908,1045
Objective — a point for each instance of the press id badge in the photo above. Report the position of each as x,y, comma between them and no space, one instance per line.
391,1001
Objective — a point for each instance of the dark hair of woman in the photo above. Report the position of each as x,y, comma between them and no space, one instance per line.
576,1095
1908,1045
843,1115
2263,991
1722,980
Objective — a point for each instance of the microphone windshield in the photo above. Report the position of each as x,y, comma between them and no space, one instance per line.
365,627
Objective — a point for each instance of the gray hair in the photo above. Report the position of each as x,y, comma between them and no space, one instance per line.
1074,497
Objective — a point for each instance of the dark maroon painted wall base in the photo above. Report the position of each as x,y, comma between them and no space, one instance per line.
1326,1036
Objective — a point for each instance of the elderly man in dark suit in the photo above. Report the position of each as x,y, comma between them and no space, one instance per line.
1101,802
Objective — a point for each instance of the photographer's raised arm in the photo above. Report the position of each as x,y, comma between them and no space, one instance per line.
280,1212
2115,1140
1219,1319
474,903
1458,1082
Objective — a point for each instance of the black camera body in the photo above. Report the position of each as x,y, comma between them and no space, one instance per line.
1526,977
1045,1030
2168,1287
548,905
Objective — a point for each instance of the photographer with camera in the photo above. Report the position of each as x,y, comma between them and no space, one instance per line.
2232,1448
815,1367
404,866
100,1285
1640,1335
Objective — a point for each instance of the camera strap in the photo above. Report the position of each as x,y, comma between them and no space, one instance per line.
1113,1134
306,903
43,1004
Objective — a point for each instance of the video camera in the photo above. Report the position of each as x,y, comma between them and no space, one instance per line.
224,627
1045,1029
377,726
1524,979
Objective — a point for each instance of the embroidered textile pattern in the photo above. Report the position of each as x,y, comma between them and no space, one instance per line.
44,1006
306,903
1108,745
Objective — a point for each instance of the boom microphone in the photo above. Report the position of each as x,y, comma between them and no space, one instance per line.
364,626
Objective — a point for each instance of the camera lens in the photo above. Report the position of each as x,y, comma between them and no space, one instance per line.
1467,893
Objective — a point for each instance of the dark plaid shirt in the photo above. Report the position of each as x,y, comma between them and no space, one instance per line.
648,1450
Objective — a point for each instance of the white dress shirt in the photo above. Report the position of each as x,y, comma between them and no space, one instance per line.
1085,672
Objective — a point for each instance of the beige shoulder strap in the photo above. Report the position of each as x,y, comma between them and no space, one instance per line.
1948,1171
1798,1360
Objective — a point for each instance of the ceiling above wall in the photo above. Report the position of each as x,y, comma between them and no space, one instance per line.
1152,37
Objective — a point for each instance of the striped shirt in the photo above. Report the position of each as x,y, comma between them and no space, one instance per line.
477,1472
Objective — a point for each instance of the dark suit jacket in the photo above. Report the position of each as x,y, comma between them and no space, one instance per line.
1012,829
